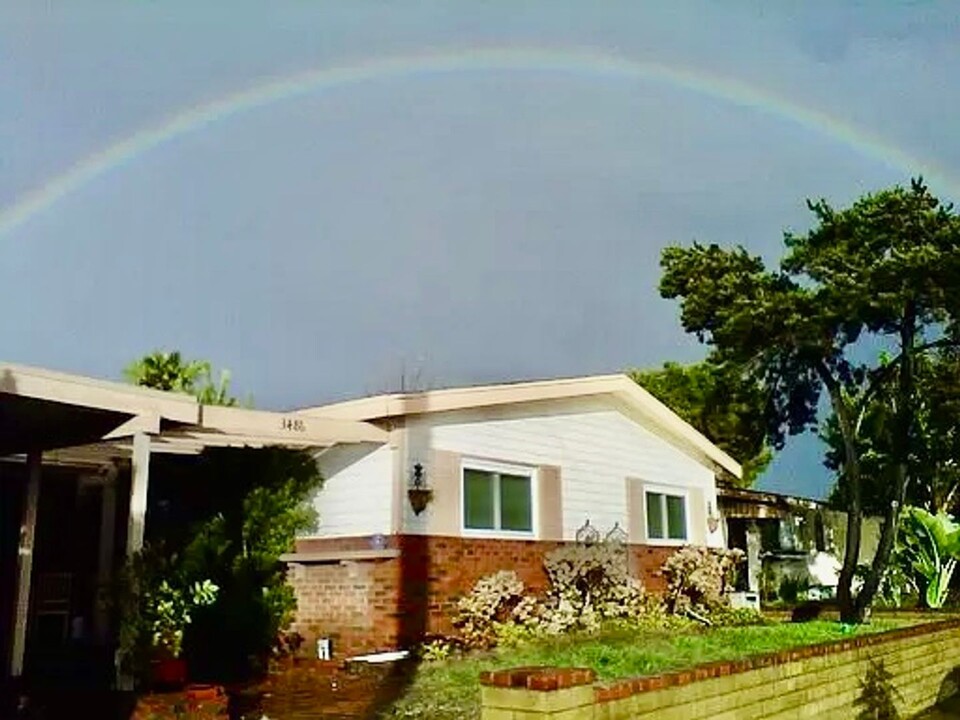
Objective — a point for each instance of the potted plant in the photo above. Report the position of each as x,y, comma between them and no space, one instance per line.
168,611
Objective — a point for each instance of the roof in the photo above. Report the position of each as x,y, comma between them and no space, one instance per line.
618,387
766,497
46,410
745,503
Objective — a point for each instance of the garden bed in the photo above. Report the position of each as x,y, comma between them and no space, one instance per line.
451,688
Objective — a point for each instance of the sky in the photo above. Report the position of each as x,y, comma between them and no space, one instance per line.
325,197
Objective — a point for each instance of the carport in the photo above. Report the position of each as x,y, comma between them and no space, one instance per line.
49,418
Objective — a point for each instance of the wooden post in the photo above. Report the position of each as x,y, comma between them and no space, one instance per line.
25,563
139,481
754,564
108,521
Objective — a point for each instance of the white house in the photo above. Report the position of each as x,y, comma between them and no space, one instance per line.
510,471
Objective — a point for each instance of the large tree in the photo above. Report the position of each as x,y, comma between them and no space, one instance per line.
720,401
882,273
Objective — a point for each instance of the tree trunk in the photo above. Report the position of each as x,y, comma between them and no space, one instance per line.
888,536
849,612
901,444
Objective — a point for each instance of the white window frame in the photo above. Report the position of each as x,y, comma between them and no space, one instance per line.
506,469
675,492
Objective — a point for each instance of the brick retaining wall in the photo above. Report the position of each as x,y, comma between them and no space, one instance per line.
820,681
376,604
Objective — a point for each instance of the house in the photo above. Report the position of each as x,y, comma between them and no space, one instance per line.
479,479
791,543
425,494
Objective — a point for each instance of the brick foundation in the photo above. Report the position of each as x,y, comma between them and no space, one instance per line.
374,604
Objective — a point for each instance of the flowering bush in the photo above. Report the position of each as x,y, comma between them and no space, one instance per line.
588,584
591,585
697,578
495,600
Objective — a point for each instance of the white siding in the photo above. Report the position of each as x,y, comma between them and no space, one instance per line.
596,446
356,497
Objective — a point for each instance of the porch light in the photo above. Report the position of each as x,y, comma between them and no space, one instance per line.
713,522
418,492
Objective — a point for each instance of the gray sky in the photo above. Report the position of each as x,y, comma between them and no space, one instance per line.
474,225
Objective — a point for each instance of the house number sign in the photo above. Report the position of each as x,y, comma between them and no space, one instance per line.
293,425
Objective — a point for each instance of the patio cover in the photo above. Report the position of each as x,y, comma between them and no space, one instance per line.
42,410
49,416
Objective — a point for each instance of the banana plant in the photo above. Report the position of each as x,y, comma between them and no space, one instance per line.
931,545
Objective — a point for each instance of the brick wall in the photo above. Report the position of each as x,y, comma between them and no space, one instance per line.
352,602
922,664
385,603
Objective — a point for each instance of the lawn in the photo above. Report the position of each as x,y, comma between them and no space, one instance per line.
450,689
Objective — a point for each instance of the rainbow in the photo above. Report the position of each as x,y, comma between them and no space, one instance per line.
577,62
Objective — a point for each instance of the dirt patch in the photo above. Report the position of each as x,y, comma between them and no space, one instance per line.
316,690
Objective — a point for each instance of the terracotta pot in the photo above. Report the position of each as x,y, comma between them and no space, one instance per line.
204,693
169,672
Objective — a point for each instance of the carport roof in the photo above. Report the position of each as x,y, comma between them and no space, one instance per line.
46,410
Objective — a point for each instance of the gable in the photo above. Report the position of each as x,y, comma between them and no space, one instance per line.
630,398
547,432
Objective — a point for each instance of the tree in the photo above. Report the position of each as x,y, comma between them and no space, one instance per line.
169,371
884,272
719,401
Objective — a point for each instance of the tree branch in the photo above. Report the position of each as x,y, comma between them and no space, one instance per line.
880,375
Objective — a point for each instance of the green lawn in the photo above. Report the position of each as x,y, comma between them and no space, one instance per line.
450,689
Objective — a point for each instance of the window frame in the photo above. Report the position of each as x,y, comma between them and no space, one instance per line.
498,468
664,490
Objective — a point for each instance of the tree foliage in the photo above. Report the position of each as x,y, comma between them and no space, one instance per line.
884,272
169,371
720,401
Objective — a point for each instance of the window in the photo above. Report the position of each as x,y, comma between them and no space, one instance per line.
497,500
666,516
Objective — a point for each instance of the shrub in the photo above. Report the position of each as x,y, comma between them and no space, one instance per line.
513,634
697,578
792,587
930,547
497,599
655,618
263,503
435,650
588,584
740,617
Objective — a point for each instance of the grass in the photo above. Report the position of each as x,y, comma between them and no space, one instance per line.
450,689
